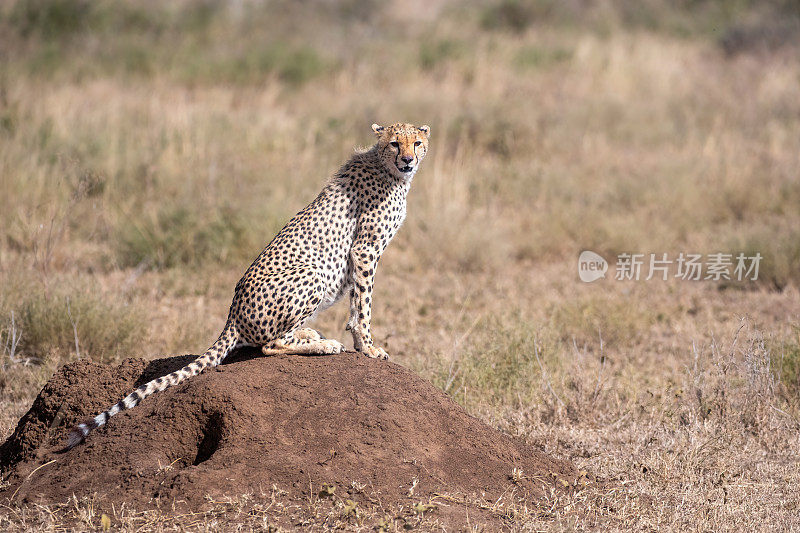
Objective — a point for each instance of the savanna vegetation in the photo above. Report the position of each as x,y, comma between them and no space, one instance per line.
149,150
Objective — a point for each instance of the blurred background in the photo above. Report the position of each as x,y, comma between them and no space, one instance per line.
149,150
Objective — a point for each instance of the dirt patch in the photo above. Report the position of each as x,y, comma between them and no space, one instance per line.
371,429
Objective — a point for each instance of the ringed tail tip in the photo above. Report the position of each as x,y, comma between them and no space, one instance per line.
76,436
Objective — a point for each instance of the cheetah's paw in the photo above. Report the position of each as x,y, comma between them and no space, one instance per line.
330,346
375,352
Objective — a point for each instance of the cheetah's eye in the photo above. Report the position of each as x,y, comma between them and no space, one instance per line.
395,144
417,143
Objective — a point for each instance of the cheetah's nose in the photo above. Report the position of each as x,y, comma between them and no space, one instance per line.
407,159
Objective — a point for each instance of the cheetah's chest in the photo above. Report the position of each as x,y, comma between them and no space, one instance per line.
336,267
382,223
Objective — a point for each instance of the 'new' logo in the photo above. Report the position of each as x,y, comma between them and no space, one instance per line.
591,266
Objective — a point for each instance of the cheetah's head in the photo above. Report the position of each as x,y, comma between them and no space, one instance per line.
402,147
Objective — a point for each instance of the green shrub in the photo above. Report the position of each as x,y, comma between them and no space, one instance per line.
178,236
432,54
299,66
514,15
50,19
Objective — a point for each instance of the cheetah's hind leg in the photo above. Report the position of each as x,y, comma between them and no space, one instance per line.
308,334
298,343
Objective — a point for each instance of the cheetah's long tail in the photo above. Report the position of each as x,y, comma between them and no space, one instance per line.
226,342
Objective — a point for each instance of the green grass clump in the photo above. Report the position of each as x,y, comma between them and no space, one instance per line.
180,236
293,65
47,326
786,362
615,321
50,19
297,66
432,54
62,20
512,15
535,57
510,369
779,247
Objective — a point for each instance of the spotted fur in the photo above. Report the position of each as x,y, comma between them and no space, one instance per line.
328,250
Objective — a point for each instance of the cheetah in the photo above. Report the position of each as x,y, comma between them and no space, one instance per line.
326,251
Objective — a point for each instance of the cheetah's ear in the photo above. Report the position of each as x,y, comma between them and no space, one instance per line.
426,130
378,129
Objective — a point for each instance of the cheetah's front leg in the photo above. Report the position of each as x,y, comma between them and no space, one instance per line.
364,264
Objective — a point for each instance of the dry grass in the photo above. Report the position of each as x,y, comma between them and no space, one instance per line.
146,156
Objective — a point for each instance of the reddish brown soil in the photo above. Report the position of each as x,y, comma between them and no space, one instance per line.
255,422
